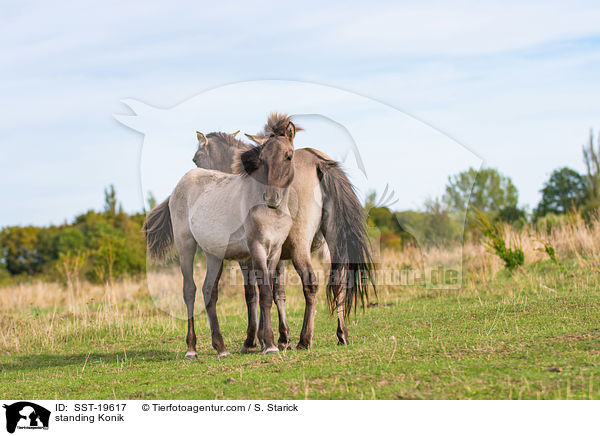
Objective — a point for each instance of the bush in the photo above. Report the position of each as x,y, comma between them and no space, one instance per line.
390,240
512,256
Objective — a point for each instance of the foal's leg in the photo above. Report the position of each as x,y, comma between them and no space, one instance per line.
187,251
284,341
251,295
263,274
310,286
210,290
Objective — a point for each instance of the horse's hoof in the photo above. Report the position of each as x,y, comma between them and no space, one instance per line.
285,345
270,350
223,353
191,355
245,350
302,346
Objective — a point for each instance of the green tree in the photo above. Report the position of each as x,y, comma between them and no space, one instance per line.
46,244
110,200
512,215
565,189
437,225
384,219
70,241
441,226
486,189
18,250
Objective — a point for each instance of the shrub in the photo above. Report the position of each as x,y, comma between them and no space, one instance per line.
512,256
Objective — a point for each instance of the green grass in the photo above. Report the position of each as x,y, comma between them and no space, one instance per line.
495,339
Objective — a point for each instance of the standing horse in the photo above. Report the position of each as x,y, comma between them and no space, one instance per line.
242,216
326,205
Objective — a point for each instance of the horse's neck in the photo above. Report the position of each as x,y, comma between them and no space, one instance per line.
285,200
222,158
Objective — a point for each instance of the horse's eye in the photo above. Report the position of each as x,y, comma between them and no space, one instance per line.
272,135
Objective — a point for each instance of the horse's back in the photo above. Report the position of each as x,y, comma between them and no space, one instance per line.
311,156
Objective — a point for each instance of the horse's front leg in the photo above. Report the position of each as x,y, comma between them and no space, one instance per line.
284,341
251,295
263,276
210,290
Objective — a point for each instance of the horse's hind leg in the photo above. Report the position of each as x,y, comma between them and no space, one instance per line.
310,286
251,295
210,290
187,251
342,331
284,341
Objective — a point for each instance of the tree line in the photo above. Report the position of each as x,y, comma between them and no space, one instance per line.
101,245
489,192
105,245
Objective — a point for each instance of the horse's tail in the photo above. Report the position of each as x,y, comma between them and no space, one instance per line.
343,224
158,230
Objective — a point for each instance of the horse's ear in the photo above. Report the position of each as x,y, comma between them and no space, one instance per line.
290,131
258,139
202,141
234,134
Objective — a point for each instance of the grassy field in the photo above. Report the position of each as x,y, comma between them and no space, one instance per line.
534,333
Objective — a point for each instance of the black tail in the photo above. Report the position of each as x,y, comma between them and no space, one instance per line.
158,230
343,225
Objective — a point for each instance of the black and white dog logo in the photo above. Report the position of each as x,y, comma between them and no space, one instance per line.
26,415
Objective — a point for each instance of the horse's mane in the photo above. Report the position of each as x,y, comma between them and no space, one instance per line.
227,139
245,161
277,123
246,158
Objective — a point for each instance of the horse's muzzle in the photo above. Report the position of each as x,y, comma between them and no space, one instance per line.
272,199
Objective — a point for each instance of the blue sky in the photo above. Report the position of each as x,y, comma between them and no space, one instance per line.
515,82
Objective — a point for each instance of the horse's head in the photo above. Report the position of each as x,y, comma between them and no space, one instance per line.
271,161
215,151
202,156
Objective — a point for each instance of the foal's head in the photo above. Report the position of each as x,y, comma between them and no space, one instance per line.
270,162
